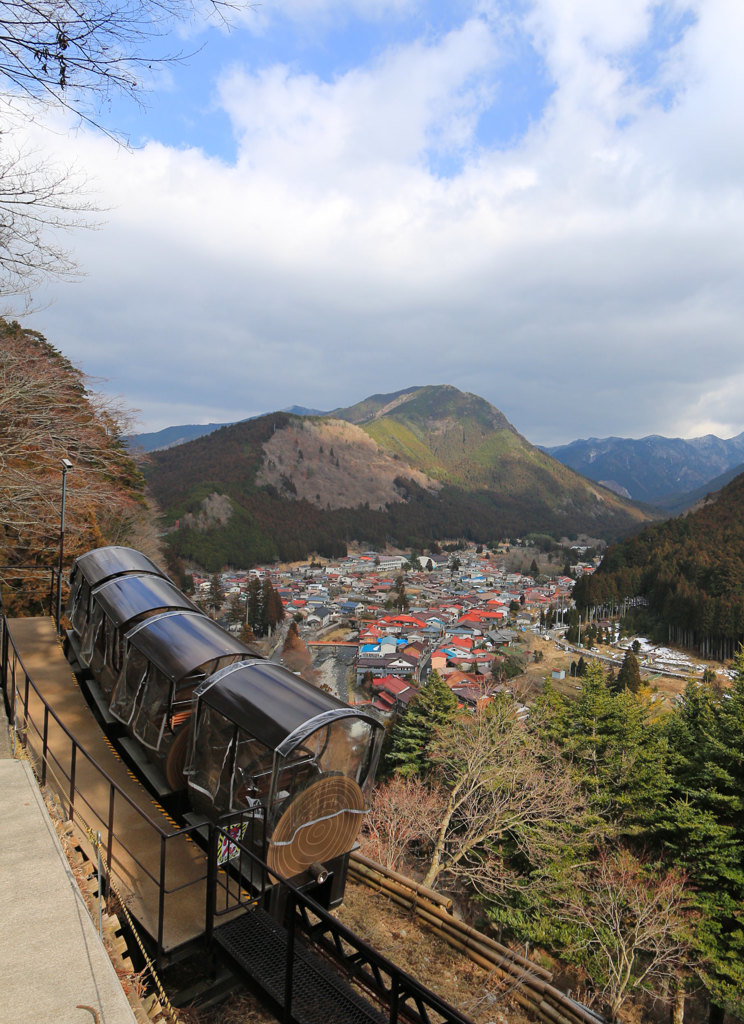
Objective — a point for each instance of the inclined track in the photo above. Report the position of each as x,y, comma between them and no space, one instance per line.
135,843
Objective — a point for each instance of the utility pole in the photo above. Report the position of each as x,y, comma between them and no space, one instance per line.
66,466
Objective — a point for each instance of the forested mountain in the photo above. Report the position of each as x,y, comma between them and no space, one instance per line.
169,437
657,470
422,464
690,570
47,413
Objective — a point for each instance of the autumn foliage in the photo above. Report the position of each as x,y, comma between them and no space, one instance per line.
47,413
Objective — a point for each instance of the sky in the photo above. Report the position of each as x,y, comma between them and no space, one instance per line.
538,202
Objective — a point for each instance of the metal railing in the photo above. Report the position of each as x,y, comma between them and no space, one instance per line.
235,876
404,998
17,686
55,581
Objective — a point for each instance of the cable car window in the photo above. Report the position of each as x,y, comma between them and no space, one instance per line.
212,745
152,704
128,684
90,634
251,779
77,604
98,654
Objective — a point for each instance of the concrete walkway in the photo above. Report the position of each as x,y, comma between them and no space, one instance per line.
51,959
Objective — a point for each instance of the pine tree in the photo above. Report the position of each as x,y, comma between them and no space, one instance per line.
629,676
216,594
705,826
253,607
432,706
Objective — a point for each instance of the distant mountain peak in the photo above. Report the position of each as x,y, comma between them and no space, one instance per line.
653,469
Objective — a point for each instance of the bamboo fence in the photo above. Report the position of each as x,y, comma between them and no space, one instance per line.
530,984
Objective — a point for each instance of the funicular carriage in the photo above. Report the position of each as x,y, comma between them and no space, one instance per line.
289,767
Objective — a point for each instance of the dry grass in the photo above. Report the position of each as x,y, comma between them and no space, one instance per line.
531,682
401,937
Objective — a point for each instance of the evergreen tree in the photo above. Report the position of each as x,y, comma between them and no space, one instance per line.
432,706
617,745
629,676
253,607
705,826
216,594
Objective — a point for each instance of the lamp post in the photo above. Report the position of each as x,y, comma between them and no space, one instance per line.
66,465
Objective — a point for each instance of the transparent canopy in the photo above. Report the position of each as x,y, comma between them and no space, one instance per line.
165,656
267,742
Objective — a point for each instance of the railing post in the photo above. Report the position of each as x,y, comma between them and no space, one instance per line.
13,697
44,745
4,652
211,894
394,993
100,886
161,897
25,711
73,766
110,842
289,962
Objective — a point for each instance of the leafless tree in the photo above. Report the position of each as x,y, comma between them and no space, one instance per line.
77,53
48,413
72,55
630,923
404,813
38,202
502,790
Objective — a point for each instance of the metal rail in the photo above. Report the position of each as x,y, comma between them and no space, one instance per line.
54,572
236,878
17,686
404,998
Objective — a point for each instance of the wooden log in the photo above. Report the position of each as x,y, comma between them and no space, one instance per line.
534,992
389,884
520,993
423,890
548,1011
569,1006
497,960
517,958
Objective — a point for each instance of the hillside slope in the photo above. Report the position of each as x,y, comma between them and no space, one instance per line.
405,469
48,413
690,570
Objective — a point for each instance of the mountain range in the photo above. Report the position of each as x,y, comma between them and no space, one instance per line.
670,472
406,468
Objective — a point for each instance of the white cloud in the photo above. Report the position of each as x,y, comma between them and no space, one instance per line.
586,280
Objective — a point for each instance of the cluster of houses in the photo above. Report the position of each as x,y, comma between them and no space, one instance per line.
454,616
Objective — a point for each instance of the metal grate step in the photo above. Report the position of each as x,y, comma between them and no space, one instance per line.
256,944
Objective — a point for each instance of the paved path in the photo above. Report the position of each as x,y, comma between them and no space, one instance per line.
52,960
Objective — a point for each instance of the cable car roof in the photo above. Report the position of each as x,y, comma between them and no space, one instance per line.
270,703
180,642
103,563
123,598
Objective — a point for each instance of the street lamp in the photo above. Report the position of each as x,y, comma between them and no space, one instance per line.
66,465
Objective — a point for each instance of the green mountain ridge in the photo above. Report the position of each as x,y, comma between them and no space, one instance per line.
406,469
690,572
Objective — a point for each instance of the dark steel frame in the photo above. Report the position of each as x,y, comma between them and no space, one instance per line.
404,998
17,685
226,887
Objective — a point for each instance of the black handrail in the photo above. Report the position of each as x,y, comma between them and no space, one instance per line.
10,662
404,997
